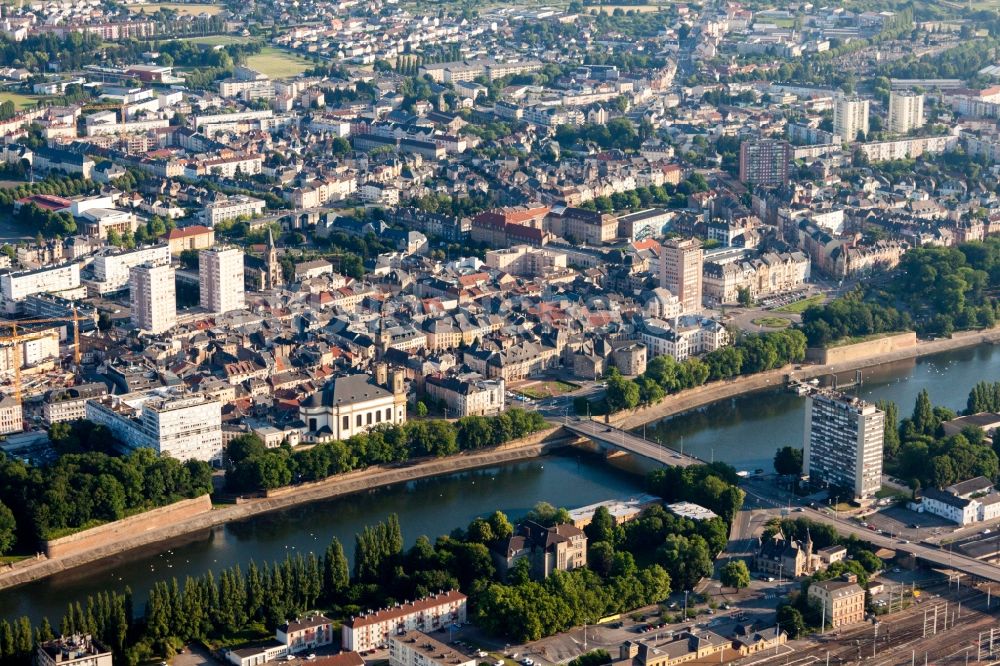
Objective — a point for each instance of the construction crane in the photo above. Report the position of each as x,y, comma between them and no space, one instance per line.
15,338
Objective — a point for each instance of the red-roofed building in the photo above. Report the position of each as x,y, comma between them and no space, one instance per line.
196,237
368,631
48,202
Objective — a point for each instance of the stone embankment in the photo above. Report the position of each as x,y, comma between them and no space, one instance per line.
196,515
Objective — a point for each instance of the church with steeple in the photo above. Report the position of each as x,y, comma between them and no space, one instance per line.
789,558
264,272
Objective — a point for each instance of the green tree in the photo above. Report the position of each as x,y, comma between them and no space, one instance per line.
336,576
890,446
788,460
8,529
790,620
735,574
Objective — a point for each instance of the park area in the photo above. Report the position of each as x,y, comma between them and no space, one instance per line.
771,322
539,390
642,9
184,9
20,101
277,64
798,307
217,40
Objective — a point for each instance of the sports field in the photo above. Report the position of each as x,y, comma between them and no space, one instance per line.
183,8
278,64
20,101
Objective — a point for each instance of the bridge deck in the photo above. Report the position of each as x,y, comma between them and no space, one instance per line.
622,440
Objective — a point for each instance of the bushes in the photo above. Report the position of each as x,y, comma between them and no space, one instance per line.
252,467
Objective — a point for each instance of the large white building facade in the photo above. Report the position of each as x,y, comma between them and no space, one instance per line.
153,294
220,276
850,116
181,425
111,271
906,111
843,442
352,405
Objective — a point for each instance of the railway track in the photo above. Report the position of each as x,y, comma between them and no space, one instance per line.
911,637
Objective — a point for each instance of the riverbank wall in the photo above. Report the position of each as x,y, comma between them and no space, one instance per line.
858,356
115,538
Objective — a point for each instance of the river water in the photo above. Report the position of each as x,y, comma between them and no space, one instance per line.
744,432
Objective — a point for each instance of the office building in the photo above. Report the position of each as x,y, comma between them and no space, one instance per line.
681,272
181,425
906,111
843,443
765,162
850,116
220,276
369,630
153,295
415,648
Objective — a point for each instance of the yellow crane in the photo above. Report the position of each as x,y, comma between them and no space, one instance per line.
16,338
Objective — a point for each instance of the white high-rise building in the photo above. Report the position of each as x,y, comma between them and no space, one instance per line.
220,274
850,116
183,425
843,442
112,271
906,111
153,294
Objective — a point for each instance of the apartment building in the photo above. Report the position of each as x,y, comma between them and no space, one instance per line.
153,296
843,601
906,111
112,271
70,404
306,633
221,278
681,272
181,425
415,648
843,442
374,628
765,162
579,225
11,415
16,286
527,261
467,397
850,116
231,208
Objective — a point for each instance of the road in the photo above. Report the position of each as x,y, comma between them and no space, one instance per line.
623,441
930,554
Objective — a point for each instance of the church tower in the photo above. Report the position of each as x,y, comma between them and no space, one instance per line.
272,265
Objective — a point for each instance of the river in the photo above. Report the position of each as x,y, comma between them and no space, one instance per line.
429,507
744,431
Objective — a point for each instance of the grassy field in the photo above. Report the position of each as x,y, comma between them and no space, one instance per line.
642,9
183,9
21,101
278,64
547,389
771,322
217,40
798,307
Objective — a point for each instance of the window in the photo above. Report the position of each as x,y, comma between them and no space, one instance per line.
369,418
347,422
312,424
358,421
378,416
388,414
